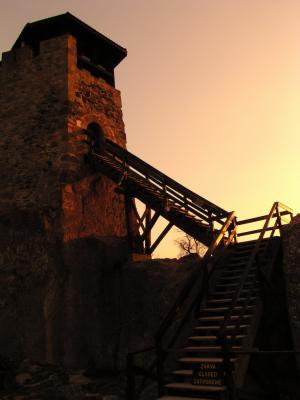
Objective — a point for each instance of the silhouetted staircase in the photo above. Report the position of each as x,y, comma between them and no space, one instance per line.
228,301
202,373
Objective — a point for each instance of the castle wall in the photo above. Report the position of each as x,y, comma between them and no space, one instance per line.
62,226
90,205
33,114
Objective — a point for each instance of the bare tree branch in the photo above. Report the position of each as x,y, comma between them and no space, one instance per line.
189,245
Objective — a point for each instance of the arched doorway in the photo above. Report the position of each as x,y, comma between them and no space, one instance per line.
96,137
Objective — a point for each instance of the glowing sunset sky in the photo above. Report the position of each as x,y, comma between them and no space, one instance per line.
210,89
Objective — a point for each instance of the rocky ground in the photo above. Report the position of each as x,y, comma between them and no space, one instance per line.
34,381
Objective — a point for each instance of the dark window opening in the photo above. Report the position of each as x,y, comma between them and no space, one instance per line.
88,58
96,137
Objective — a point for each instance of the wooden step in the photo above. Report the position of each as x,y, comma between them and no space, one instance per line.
234,277
236,261
235,284
183,372
229,300
227,293
213,338
240,257
233,268
235,272
167,397
194,388
216,327
221,317
224,309
247,251
250,243
206,349
199,360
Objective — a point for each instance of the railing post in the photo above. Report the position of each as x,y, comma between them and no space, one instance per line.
211,223
234,222
185,203
166,200
130,384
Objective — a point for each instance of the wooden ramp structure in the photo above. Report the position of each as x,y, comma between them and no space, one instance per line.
225,297
162,196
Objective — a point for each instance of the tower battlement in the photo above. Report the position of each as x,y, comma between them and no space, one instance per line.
95,52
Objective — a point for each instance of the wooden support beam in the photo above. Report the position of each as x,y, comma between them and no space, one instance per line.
130,233
147,230
150,225
141,223
160,237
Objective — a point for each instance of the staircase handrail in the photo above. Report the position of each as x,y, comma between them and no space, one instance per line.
207,264
162,179
192,281
225,345
278,223
229,227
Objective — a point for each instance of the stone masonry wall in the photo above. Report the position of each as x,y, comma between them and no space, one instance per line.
90,205
62,226
33,115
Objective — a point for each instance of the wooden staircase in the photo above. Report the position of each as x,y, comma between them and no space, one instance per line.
202,373
225,293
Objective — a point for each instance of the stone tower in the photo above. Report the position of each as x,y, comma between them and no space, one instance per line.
63,227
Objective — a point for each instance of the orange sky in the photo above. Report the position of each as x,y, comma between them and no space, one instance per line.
210,88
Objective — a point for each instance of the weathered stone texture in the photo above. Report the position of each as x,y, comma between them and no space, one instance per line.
92,99
28,266
90,311
291,245
58,300
45,101
62,226
90,206
33,112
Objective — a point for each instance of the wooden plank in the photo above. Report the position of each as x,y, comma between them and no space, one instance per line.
261,218
286,208
128,208
147,230
177,200
255,231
